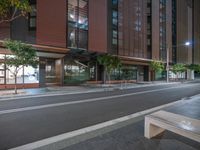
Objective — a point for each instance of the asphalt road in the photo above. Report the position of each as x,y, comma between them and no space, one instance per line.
29,119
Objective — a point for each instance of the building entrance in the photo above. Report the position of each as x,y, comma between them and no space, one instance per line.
53,71
50,71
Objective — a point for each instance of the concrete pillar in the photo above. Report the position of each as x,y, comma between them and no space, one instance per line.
42,72
190,74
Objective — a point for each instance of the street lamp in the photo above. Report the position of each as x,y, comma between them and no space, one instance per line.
187,43
168,48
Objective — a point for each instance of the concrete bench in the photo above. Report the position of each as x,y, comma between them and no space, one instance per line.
160,121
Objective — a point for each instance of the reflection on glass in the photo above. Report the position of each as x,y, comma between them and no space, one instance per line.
83,36
2,56
2,71
72,5
78,24
2,66
114,16
75,72
31,75
50,71
162,29
10,78
127,72
25,75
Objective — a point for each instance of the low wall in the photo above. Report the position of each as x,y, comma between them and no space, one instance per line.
112,81
19,86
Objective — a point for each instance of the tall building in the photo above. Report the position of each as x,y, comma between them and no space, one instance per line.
70,34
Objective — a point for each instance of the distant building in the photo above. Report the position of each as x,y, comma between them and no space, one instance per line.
70,34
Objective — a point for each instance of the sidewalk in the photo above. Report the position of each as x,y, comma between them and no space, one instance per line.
78,89
131,137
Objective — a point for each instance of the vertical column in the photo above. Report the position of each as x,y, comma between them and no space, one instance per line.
42,72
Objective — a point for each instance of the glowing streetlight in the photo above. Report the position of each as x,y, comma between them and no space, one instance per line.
168,48
187,43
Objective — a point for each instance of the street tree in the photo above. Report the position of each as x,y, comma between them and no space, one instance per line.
13,9
178,68
195,67
22,55
156,66
110,63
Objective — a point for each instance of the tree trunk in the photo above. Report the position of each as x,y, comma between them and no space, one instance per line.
15,84
105,70
108,78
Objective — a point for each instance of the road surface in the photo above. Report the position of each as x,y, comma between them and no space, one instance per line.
30,119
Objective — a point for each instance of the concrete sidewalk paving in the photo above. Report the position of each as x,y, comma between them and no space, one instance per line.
131,137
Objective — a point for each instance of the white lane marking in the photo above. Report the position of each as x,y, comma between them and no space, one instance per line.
60,94
78,102
63,140
46,95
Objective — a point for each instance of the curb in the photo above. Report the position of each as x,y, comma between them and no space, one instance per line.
14,97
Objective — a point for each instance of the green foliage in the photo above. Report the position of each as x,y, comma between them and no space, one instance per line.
109,62
23,55
19,8
178,68
195,67
157,66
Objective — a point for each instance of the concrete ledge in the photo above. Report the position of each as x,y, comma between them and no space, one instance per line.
159,121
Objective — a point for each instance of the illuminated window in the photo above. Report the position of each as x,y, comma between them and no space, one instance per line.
78,24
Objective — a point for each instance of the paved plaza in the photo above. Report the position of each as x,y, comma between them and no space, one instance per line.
132,137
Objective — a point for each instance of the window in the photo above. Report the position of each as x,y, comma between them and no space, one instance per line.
31,75
2,73
2,56
162,29
114,41
32,16
114,18
78,24
75,71
114,25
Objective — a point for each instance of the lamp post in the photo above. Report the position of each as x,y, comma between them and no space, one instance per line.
167,61
167,65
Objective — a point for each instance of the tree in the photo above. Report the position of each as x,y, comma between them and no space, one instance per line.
195,67
178,68
156,66
110,63
23,55
13,9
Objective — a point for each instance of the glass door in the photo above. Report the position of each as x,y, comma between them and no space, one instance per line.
50,71
53,71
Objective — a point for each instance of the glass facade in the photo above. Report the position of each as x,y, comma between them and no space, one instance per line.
163,45
127,72
26,74
115,26
131,28
174,29
75,72
2,74
78,24
50,70
149,29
